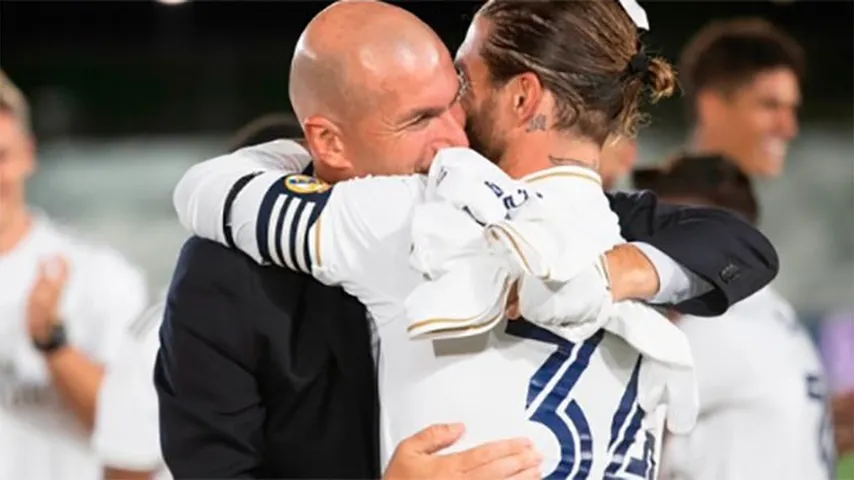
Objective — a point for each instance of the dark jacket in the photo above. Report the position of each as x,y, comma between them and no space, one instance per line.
263,373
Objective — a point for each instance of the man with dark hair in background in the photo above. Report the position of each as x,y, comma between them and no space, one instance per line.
263,129
763,394
712,181
126,435
742,90
742,81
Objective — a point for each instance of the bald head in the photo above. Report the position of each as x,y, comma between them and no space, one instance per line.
375,91
352,51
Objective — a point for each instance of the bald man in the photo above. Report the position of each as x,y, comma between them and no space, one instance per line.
263,372
375,90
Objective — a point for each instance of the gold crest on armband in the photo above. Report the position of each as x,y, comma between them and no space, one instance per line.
304,184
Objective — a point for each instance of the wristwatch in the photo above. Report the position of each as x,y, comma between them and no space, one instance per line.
56,340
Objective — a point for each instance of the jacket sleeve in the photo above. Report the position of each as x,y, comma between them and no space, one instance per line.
717,246
211,414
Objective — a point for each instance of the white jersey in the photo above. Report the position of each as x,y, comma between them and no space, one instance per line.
39,436
762,398
576,401
127,427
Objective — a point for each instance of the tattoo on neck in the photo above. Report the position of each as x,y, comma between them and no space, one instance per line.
537,123
562,161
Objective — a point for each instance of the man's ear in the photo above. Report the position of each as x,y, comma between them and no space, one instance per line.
526,93
711,106
324,141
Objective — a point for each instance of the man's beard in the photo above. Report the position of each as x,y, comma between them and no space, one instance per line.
480,130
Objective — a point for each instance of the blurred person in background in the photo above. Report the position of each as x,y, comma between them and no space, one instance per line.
742,91
64,304
837,348
618,158
266,128
127,434
763,393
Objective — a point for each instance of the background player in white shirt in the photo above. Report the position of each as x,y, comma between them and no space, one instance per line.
126,436
292,247
127,433
63,306
763,394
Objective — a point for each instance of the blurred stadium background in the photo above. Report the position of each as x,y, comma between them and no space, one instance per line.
127,94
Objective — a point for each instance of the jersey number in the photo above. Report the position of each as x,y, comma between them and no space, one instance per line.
564,417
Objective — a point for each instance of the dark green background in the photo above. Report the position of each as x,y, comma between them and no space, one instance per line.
131,67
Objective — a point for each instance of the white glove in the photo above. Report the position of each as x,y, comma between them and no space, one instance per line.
575,309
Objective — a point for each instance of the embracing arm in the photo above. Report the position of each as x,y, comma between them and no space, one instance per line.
706,258
202,193
254,201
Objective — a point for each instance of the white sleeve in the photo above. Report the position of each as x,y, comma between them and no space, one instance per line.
200,196
339,233
293,220
676,283
126,434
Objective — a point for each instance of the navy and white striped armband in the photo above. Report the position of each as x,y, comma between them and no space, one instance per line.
290,208
238,186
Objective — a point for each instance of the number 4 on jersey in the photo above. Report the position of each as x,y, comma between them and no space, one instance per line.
575,437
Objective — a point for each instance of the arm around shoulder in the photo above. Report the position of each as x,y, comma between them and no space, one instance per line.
200,196
717,246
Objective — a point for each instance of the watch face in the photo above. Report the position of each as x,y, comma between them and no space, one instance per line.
56,340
